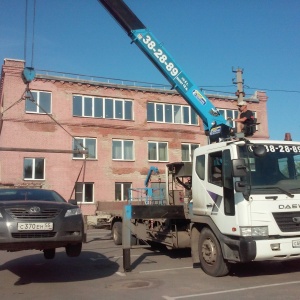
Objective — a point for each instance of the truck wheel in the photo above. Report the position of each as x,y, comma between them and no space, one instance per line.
74,250
49,253
117,233
210,255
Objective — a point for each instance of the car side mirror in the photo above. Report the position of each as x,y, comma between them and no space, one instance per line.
73,201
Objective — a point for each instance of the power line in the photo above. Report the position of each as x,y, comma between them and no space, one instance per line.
271,90
26,32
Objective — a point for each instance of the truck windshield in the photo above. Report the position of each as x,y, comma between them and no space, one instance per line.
276,172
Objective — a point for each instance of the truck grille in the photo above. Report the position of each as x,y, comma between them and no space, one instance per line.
24,214
33,235
285,221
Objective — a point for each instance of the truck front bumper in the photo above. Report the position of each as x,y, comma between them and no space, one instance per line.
247,249
278,249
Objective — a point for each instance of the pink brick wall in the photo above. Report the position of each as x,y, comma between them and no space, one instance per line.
21,130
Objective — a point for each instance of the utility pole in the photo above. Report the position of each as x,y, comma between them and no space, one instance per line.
240,84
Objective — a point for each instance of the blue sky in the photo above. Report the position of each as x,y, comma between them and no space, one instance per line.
207,38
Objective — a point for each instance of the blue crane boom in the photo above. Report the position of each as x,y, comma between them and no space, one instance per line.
213,121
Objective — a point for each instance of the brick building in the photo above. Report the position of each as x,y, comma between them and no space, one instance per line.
127,129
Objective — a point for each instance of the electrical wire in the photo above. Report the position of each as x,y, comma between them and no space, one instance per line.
25,28
26,32
33,32
270,90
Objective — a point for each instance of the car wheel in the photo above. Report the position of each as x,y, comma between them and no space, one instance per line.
73,250
117,233
210,255
49,253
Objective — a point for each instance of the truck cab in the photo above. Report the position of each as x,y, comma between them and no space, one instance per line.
248,193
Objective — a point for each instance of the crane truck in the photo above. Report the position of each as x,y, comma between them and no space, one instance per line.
241,196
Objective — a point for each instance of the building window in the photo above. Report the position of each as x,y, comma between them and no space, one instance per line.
233,114
41,104
96,107
34,168
84,192
187,151
122,191
171,113
157,151
229,113
122,150
89,144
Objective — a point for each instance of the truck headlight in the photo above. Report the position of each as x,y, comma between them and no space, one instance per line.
73,212
254,231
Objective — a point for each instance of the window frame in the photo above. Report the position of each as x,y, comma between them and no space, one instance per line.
177,112
33,168
123,196
83,192
38,100
123,150
190,150
84,156
157,155
235,113
103,105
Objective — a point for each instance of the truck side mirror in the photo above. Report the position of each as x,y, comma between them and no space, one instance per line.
240,186
259,150
239,168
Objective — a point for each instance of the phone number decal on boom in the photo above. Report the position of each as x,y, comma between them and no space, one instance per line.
159,54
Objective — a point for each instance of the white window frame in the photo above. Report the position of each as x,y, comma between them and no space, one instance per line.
122,190
33,168
114,113
123,150
79,147
39,107
82,194
190,150
235,114
163,106
157,151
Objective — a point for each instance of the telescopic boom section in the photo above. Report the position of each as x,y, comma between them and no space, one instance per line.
213,121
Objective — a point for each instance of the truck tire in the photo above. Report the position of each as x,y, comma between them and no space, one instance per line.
116,232
210,255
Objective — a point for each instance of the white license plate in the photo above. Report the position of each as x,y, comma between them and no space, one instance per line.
296,243
35,226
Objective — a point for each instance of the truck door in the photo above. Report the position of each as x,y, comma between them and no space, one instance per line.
213,191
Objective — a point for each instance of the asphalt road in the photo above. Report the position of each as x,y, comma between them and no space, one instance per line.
156,274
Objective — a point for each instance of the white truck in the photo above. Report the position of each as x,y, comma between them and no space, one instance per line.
239,201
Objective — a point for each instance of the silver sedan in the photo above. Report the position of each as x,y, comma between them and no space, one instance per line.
39,219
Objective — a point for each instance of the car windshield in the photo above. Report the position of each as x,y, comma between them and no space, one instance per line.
30,194
278,171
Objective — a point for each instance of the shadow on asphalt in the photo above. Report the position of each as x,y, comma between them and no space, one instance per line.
237,270
265,268
158,249
36,269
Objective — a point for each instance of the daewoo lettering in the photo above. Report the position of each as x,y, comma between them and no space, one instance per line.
289,206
